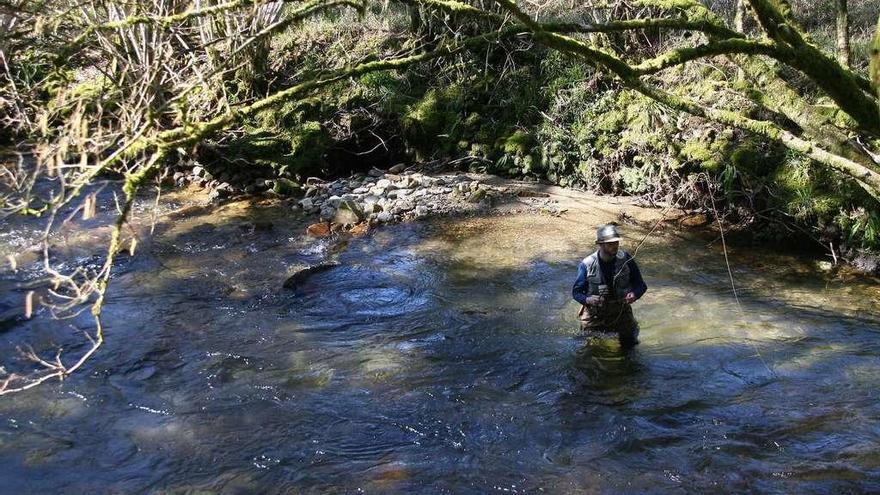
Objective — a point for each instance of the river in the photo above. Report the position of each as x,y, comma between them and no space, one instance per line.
444,357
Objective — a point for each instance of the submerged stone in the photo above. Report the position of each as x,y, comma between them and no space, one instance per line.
300,276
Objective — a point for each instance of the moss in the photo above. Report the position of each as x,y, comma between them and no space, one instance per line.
430,124
634,180
88,92
307,146
806,190
827,204
611,121
700,151
472,121
748,158
296,149
517,143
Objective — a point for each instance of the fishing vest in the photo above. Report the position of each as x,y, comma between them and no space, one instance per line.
621,274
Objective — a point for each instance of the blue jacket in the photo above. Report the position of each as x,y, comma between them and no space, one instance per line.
580,290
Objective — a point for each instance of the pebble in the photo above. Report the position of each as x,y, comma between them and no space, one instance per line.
377,197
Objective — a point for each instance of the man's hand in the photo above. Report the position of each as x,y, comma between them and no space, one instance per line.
595,300
630,297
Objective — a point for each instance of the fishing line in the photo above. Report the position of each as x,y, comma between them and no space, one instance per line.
639,246
730,275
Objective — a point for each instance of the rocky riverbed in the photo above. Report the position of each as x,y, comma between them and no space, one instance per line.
380,197
403,193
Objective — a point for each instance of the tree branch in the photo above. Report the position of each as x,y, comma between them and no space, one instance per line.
852,93
868,179
713,48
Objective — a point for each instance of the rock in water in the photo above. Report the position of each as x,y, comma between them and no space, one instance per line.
286,187
348,213
318,230
360,229
294,281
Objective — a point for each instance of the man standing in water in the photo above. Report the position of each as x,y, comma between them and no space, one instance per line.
608,282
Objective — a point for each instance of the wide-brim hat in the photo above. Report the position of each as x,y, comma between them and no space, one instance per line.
607,233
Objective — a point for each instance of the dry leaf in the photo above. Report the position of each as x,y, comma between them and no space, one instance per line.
89,207
29,304
12,262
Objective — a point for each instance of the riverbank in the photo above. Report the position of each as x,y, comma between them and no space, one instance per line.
406,193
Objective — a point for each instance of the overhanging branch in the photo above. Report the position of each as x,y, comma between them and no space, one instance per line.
867,178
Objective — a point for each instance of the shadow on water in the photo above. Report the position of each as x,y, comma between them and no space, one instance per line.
444,357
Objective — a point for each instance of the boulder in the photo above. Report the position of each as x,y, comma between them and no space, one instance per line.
348,213
328,212
399,193
477,196
406,183
372,208
285,187
218,193
294,281
403,206
334,201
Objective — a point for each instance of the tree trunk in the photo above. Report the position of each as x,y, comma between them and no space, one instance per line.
740,17
875,62
739,26
843,33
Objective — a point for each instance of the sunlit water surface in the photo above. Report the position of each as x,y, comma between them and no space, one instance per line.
444,358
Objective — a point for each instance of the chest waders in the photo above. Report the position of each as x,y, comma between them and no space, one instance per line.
614,314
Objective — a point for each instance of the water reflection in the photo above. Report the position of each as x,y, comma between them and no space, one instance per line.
608,370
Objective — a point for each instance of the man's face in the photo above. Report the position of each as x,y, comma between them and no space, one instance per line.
609,248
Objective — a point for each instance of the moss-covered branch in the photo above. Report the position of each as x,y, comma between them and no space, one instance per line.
866,177
194,132
713,48
821,124
682,21
851,92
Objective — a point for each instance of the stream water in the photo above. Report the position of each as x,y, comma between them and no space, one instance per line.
444,357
